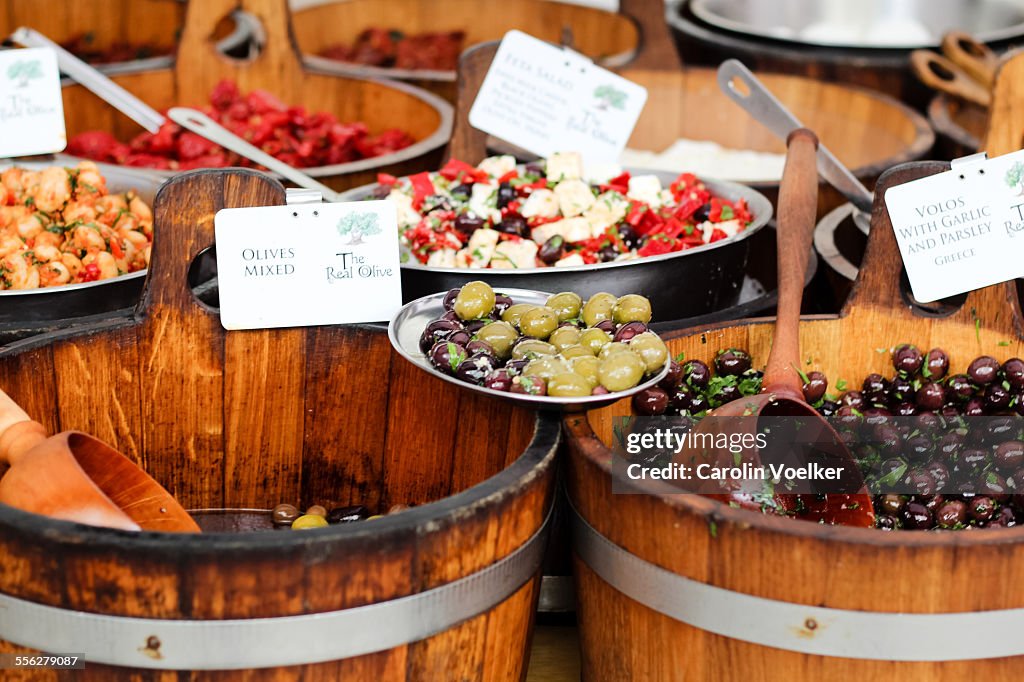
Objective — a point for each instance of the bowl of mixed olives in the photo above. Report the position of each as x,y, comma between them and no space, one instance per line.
546,351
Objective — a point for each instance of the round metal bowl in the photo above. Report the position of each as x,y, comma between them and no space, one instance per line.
870,24
408,324
29,308
679,285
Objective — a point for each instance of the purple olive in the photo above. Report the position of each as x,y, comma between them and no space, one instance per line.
650,402
732,362
995,486
673,377
936,364
975,407
930,396
916,516
1009,456
815,386
981,508
681,397
696,374
606,326
468,224
446,356
478,347
627,331
552,250
854,400
449,299
474,370
983,370
952,514
907,359
1012,372
959,389
499,380
436,331
502,303
876,388
514,223
529,385
996,398
628,236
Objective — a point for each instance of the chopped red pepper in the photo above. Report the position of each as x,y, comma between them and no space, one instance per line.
422,187
620,183
508,177
386,179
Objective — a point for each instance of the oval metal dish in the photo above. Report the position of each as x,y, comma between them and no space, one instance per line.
408,324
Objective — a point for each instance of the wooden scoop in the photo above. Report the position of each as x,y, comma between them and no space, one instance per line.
974,57
75,477
782,392
946,76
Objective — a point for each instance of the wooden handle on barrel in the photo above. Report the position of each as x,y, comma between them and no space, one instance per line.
18,432
798,202
469,144
199,65
657,51
976,58
943,75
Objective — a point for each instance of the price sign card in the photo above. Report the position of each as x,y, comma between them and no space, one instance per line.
549,99
307,265
963,229
31,108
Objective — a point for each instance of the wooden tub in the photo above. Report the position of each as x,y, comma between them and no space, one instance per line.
235,420
277,69
686,588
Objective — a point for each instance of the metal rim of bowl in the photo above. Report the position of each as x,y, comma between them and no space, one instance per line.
718,187
539,402
701,9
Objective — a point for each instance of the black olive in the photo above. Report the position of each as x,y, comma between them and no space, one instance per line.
732,362
996,397
552,250
890,503
952,514
1009,456
499,380
506,194
959,389
853,400
918,448
696,374
650,401
702,214
983,370
921,482
936,364
975,407
502,303
468,224
673,377
726,394
475,369
608,254
876,389
1006,518
348,514
628,236
606,326
905,409
449,299
446,356
681,397
514,223
901,390
438,330
930,396
463,192
995,486
916,516
940,472
627,331
886,522
907,359
828,408
981,508
698,403
1012,372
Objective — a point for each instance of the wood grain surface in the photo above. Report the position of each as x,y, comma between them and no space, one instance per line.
804,563
325,415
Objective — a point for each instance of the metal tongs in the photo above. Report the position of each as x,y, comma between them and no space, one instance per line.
151,119
742,87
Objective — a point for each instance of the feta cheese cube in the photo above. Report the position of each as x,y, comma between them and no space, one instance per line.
609,208
496,166
542,203
483,202
571,230
479,250
574,197
514,253
570,260
407,215
564,166
442,258
646,188
730,227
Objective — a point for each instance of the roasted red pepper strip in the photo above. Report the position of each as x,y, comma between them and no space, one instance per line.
454,168
620,183
508,177
386,179
422,187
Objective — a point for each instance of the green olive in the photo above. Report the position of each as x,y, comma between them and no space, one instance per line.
611,349
598,308
530,348
500,336
539,322
586,367
631,308
621,371
515,312
309,521
651,350
566,304
563,337
568,385
576,351
546,367
475,301
595,339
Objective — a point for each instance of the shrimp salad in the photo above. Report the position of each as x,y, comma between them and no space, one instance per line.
62,226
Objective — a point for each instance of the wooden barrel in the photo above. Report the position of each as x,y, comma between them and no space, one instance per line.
959,126
684,587
277,69
326,415
869,132
609,38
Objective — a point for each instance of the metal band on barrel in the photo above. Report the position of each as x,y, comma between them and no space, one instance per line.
796,627
269,642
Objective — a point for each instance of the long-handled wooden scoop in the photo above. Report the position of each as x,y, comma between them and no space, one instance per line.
782,392
75,477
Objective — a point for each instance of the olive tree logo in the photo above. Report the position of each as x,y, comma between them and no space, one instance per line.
1015,178
608,97
356,226
24,71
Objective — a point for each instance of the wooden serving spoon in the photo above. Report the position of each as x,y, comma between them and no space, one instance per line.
973,56
75,477
782,392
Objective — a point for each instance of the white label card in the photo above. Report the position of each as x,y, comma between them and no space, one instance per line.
31,108
963,229
548,99
308,264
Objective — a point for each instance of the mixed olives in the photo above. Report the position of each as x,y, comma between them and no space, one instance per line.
933,469
566,348
288,515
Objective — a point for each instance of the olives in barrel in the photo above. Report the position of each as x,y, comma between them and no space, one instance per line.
631,308
732,362
907,359
815,386
567,305
285,514
650,401
983,370
620,371
474,301
348,514
308,521
598,308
